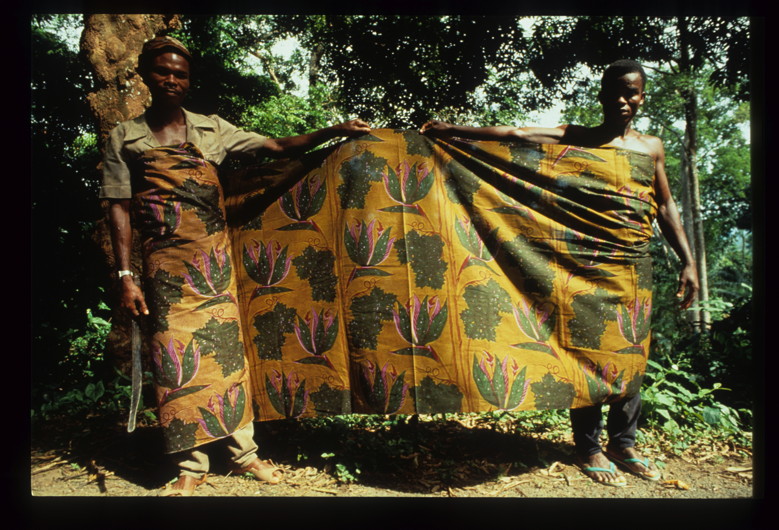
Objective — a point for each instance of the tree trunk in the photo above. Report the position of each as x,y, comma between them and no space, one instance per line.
690,167
111,43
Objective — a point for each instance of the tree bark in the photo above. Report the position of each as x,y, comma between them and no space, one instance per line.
690,167
111,43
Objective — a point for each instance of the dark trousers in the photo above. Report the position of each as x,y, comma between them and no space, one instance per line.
621,424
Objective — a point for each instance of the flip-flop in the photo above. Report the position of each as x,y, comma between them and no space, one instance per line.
650,474
263,470
189,483
611,470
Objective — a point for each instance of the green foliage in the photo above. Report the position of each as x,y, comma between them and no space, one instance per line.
64,205
398,72
675,402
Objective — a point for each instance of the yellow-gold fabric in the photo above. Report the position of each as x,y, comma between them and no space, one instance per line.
394,273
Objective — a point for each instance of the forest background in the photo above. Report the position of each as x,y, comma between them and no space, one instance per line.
289,74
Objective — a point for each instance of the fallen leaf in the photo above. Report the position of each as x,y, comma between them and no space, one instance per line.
678,484
738,469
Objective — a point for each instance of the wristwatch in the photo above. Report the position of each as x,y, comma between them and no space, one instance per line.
124,273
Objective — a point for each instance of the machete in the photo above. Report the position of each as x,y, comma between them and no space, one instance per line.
135,345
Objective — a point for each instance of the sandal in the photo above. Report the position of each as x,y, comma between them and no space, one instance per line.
263,470
183,487
648,474
611,470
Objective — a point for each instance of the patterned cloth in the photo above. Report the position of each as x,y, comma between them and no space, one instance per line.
398,274
194,327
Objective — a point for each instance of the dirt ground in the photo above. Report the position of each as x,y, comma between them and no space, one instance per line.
434,458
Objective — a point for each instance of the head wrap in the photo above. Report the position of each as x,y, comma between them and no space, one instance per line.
159,45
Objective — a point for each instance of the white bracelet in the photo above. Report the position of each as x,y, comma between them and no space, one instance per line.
125,273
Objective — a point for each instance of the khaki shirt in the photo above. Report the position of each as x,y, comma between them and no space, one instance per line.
216,139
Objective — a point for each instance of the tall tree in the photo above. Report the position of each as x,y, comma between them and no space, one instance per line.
111,43
397,71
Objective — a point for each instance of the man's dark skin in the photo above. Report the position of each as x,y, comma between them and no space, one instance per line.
168,80
620,98
167,77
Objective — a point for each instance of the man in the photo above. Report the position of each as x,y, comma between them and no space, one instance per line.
621,95
162,168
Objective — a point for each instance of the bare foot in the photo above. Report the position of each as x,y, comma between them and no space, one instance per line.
602,470
632,460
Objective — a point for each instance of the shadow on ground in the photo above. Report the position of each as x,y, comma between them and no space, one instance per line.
407,455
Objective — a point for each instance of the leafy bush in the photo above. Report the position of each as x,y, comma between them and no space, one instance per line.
674,403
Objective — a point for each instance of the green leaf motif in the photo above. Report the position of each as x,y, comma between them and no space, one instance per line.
535,346
634,386
282,398
223,340
551,393
643,268
591,312
642,167
358,173
436,398
221,299
460,183
369,271
485,304
179,435
416,350
528,265
425,253
317,267
632,349
518,390
297,226
204,199
368,312
182,392
417,144
328,400
271,328
162,291
526,157
212,423
313,359
401,209
400,251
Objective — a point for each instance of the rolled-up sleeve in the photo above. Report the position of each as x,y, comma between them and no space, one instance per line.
116,173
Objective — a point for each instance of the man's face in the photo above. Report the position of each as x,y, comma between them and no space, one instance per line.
168,78
621,97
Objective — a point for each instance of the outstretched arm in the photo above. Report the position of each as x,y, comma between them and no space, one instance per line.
131,297
291,146
539,135
671,227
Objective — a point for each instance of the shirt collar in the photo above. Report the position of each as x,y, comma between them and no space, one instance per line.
137,128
